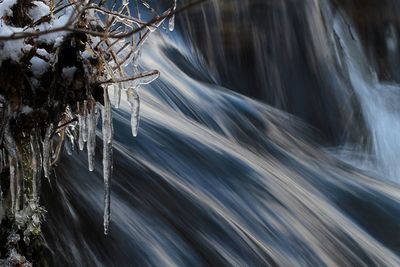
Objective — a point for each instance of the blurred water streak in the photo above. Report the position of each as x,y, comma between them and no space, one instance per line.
215,178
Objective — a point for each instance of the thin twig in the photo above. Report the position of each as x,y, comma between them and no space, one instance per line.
141,75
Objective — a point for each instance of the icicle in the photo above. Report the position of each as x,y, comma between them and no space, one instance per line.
98,113
85,122
1,161
91,143
117,95
34,166
171,23
133,99
81,142
12,182
90,147
4,157
39,161
135,58
15,183
107,156
70,134
68,149
59,145
19,187
47,150
1,205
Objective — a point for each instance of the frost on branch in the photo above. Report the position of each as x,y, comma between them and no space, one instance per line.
58,60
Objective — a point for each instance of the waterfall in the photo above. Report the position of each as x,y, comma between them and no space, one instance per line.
233,164
379,102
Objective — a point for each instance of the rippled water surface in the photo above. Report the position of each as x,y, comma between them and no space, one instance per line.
268,140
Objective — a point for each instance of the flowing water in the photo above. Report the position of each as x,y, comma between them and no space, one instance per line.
268,140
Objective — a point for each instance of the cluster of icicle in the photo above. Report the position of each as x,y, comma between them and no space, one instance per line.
117,73
78,127
25,201
25,206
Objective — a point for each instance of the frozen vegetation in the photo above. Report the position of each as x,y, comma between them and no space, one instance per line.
58,61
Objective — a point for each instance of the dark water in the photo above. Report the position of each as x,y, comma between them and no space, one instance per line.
221,174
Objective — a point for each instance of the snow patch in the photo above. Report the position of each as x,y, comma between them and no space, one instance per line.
26,110
5,7
12,49
38,66
39,10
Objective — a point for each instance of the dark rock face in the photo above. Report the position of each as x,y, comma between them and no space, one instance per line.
378,24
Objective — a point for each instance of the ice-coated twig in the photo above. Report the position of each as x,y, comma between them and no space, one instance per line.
107,156
134,101
145,77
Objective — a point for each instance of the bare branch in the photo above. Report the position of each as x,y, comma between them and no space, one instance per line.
102,34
